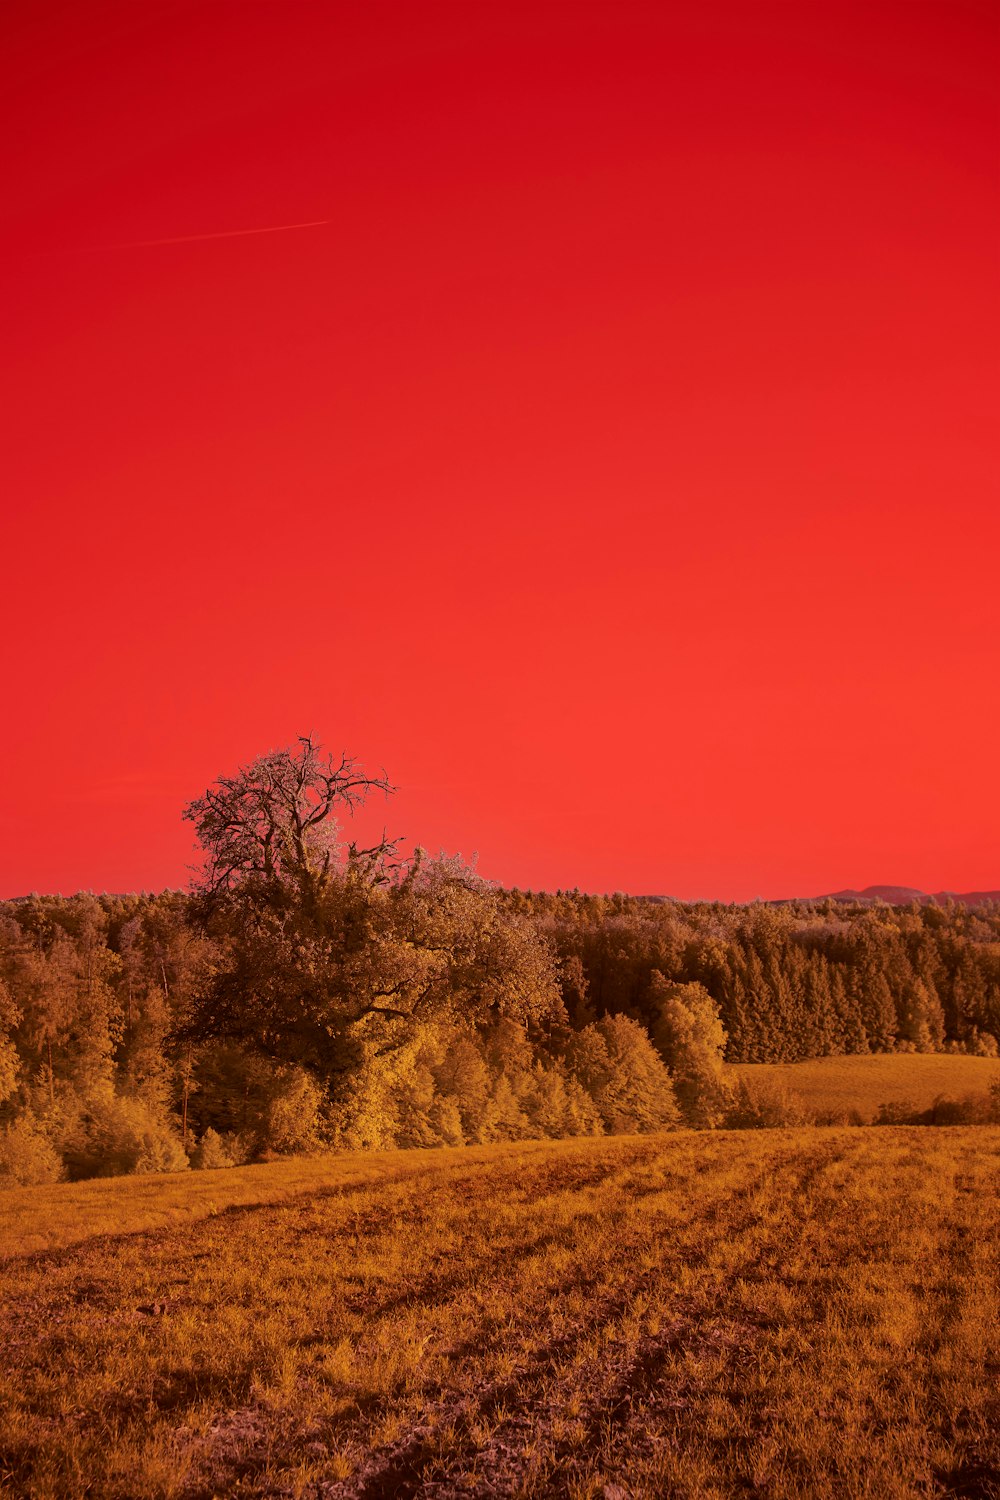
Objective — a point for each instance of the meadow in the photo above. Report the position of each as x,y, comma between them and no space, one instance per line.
863,1083
781,1313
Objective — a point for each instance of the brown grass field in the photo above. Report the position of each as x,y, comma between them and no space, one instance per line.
786,1313
863,1083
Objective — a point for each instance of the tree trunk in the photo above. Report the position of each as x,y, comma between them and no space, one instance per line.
186,1076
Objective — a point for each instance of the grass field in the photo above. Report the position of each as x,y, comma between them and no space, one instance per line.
797,1313
863,1083
52,1218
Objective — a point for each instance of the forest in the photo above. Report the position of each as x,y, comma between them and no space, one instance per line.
306,994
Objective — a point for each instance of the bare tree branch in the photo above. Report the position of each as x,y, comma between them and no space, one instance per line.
276,819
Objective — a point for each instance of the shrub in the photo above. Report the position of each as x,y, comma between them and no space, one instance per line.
27,1156
972,1109
274,1109
293,1115
897,1112
839,1115
761,1104
211,1152
462,1074
113,1136
446,1120
982,1044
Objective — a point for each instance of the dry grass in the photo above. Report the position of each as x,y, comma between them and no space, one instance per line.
787,1314
53,1218
863,1083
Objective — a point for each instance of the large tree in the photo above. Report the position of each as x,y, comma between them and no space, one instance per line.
275,822
332,952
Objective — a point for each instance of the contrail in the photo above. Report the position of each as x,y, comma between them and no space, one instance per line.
219,234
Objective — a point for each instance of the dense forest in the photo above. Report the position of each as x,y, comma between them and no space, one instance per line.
308,994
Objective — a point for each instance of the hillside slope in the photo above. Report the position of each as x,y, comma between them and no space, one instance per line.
863,1083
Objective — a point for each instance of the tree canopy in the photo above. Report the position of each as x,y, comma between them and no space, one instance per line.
275,821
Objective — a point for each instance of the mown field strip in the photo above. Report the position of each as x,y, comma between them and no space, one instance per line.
781,1313
67,1213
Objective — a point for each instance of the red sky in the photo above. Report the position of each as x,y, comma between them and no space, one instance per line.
616,462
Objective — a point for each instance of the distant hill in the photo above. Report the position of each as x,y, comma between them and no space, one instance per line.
863,1083
902,895
893,895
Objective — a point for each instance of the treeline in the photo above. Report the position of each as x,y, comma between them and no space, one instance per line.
791,981
136,1036
307,994
108,1064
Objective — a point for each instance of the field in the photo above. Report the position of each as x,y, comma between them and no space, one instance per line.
774,1313
863,1083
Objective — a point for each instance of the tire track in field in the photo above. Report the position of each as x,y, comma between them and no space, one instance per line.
433,1293
439,1291
537,1384
72,1300
973,1470
532,1305
976,1474
636,1400
623,1378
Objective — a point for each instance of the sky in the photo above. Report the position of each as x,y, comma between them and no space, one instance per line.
585,411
